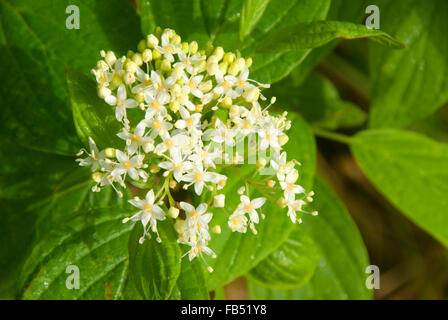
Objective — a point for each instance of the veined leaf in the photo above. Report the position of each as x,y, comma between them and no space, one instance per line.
411,171
191,282
315,34
36,46
90,238
340,272
250,15
289,266
408,85
155,267
93,117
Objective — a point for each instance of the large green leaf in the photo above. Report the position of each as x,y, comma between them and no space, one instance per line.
155,267
340,10
317,100
340,273
92,116
35,48
27,176
250,15
27,173
410,84
90,236
191,282
270,67
411,171
315,34
289,266
237,253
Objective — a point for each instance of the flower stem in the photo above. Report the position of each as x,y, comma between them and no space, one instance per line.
332,136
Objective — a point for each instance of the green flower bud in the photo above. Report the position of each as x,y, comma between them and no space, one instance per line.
193,47
141,46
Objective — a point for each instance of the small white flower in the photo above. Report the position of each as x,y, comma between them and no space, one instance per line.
293,207
290,189
197,249
249,207
177,165
95,156
168,48
149,212
137,139
198,177
238,222
129,166
121,103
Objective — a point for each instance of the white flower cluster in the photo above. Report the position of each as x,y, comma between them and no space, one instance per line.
167,97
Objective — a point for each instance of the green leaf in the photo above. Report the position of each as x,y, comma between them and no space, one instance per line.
340,273
90,237
35,46
410,84
155,267
27,176
191,282
250,15
27,173
93,117
237,253
289,266
315,34
411,171
340,10
317,100
270,67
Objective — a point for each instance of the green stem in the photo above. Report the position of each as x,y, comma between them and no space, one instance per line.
338,137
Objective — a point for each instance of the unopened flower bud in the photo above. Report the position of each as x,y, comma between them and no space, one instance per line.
271,183
216,229
97,176
166,65
193,47
110,58
208,49
156,54
281,202
185,47
137,59
251,94
261,163
147,55
109,152
141,46
229,57
173,212
152,41
283,139
226,102
219,52
248,62
212,68
103,92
